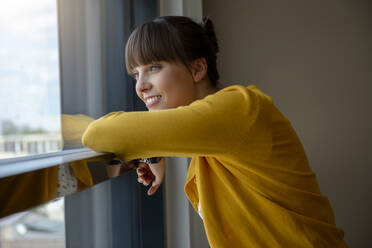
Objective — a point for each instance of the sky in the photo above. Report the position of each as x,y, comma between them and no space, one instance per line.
29,64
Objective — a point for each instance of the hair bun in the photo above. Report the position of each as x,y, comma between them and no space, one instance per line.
208,27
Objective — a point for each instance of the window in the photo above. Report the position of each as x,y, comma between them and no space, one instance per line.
42,227
90,80
29,78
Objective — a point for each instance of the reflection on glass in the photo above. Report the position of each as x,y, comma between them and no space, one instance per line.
21,192
73,127
40,227
24,191
29,78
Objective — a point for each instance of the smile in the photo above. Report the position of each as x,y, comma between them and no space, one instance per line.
152,101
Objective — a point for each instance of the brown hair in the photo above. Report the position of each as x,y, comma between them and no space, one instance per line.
173,39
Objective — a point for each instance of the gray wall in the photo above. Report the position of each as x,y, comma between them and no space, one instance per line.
184,227
314,59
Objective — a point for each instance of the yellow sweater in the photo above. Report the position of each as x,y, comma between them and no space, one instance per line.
248,170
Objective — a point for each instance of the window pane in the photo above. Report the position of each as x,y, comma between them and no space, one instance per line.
29,78
41,227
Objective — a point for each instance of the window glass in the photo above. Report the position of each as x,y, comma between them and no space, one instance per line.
40,227
29,78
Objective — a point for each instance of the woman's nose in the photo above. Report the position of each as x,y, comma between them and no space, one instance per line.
142,84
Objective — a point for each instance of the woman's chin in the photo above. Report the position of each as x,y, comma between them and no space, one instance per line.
154,108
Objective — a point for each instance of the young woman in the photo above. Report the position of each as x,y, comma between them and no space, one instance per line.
249,177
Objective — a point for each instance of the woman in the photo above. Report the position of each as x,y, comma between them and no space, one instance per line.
249,175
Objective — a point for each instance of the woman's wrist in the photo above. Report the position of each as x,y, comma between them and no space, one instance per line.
153,160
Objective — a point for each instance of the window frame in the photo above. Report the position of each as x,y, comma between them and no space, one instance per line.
99,215
121,206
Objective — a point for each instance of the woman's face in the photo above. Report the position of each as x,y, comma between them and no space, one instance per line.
164,85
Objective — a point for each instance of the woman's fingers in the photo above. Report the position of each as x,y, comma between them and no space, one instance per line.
155,185
140,171
151,173
143,165
145,176
158,171
148,178
153,189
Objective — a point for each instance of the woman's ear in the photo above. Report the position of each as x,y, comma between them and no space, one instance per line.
199,69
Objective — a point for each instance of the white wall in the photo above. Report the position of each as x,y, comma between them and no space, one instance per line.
314,59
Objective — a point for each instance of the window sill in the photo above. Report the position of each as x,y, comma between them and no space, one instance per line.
15,166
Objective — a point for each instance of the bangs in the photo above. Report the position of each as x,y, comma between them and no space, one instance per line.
151,42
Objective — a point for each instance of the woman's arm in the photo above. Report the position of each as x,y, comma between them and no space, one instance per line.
211,126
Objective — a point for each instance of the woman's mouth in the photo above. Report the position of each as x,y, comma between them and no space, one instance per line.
151,101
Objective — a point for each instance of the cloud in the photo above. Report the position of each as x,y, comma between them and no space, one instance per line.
29,65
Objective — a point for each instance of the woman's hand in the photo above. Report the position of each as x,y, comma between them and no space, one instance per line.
151,172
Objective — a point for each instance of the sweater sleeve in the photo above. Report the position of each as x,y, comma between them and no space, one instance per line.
208,127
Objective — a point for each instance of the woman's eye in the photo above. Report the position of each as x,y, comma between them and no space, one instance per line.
135,75
155,67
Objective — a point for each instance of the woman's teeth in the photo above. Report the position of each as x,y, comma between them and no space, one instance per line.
151,100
